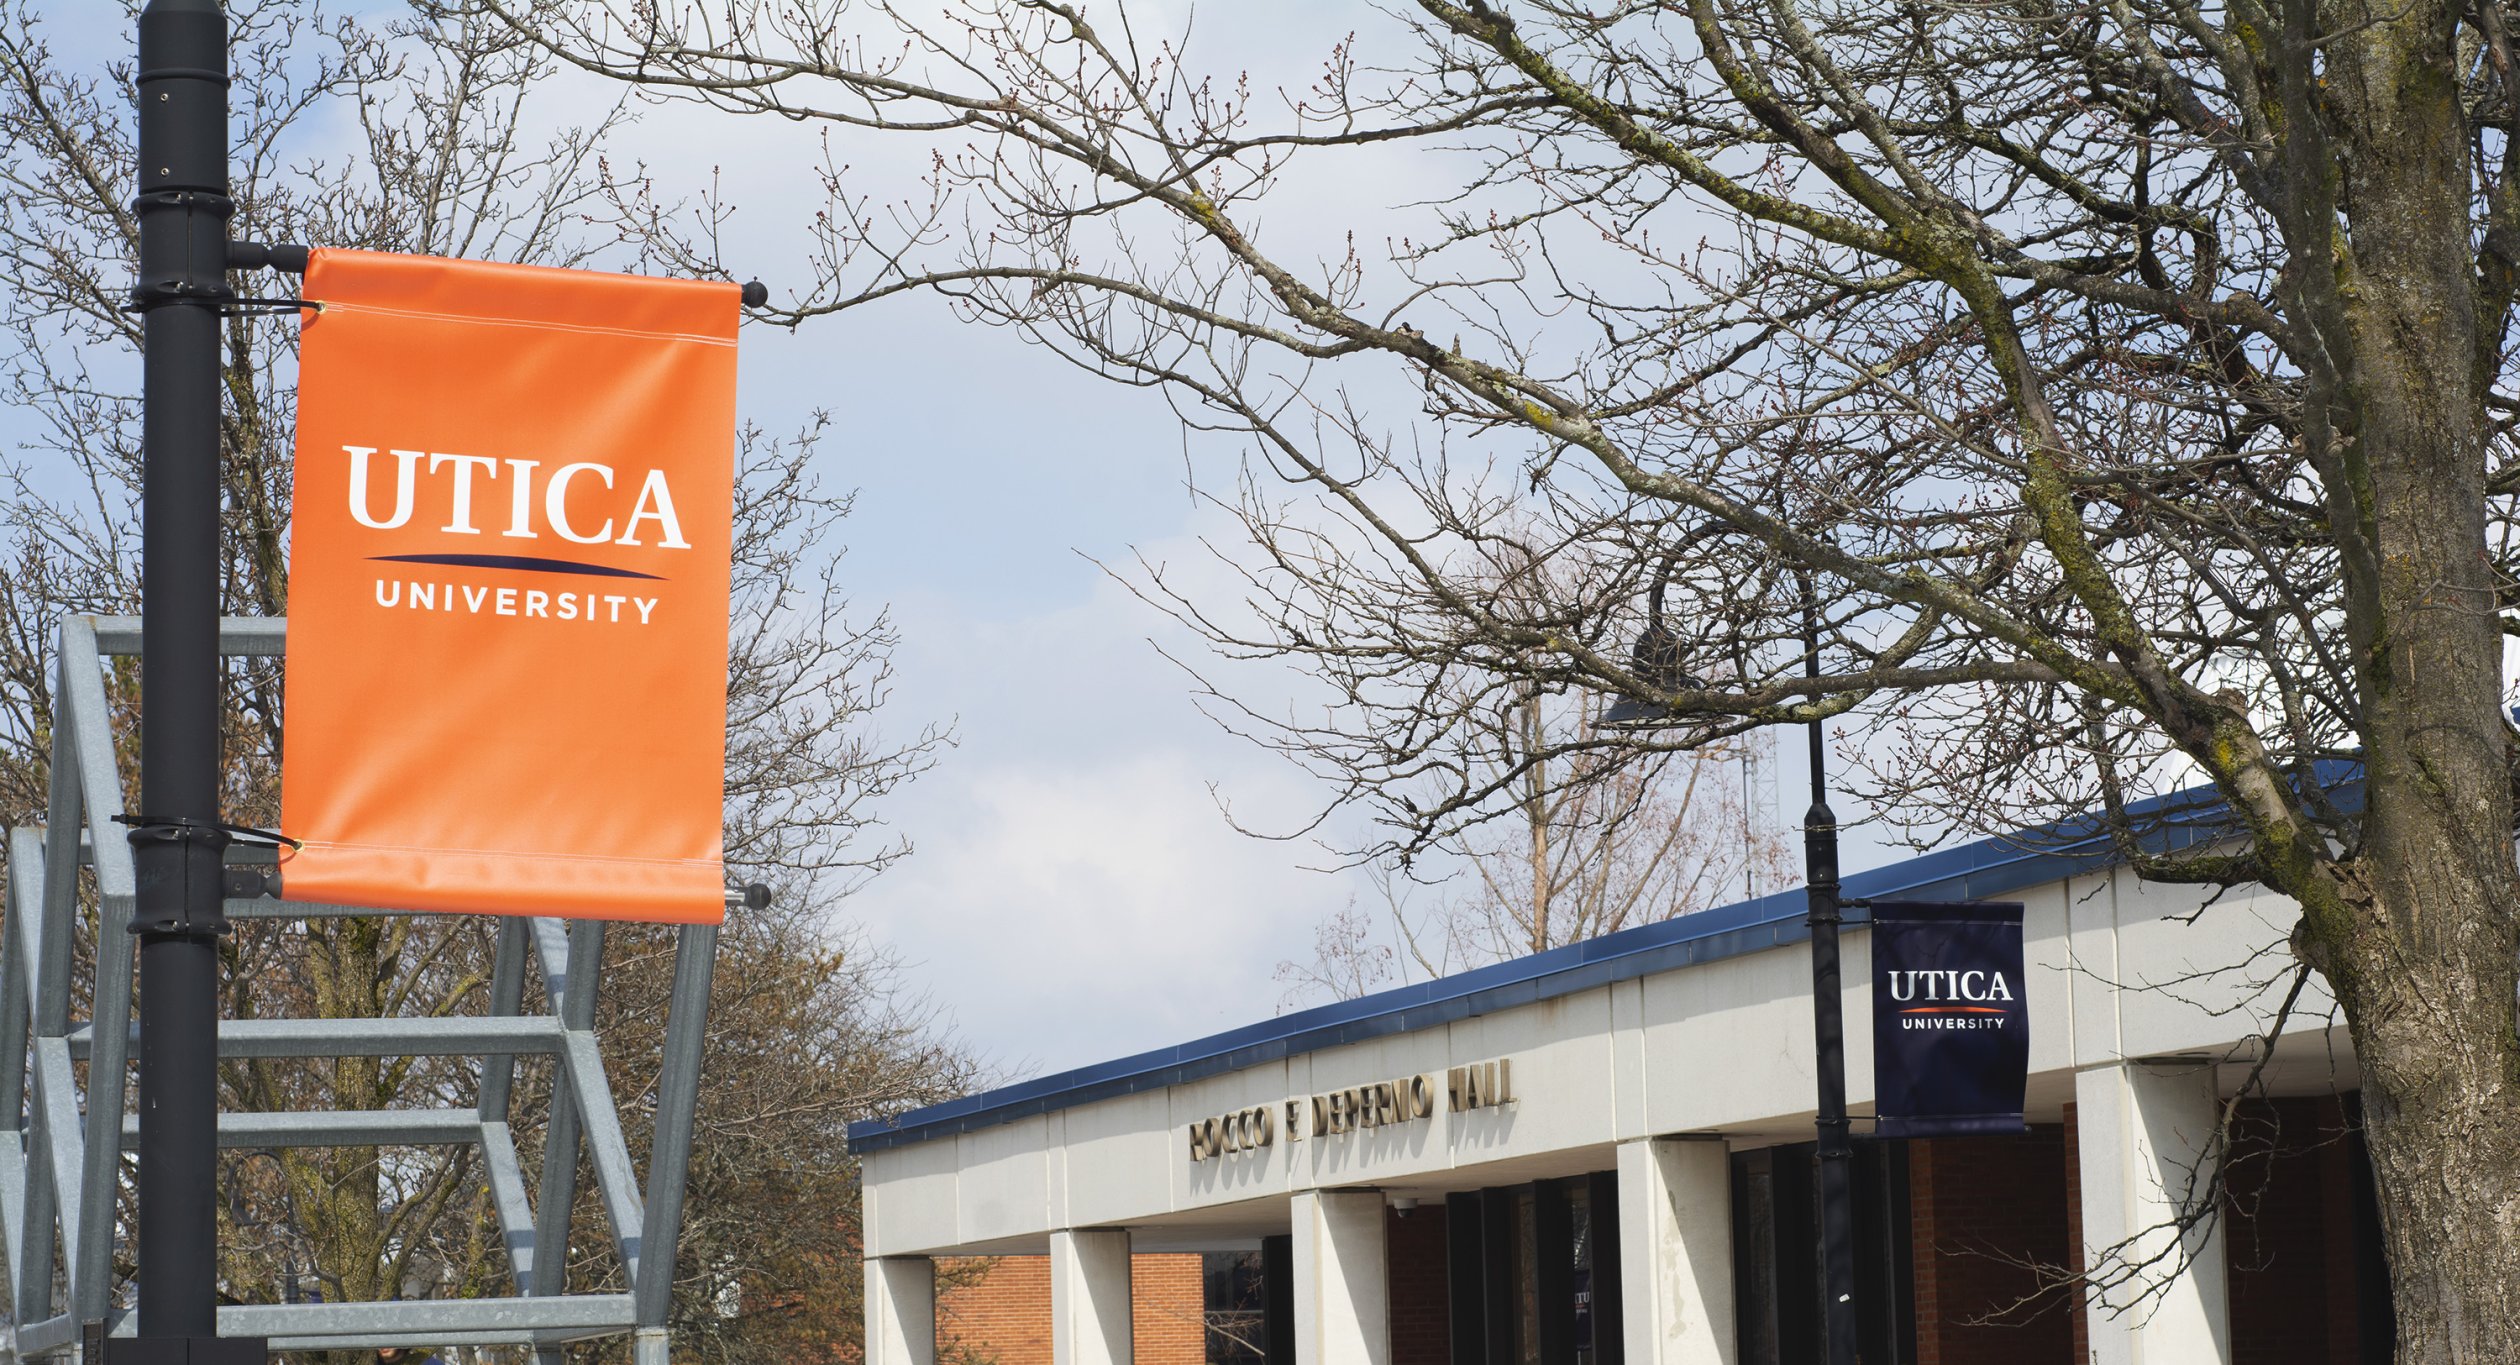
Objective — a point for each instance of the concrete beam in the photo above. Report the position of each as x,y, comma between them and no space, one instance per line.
1090,1297
2143,1131
900,1310
1675,1251
1342,1280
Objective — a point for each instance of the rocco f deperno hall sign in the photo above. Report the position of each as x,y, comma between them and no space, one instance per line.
509,562
1951,1018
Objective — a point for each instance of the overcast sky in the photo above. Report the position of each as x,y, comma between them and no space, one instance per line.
1075,894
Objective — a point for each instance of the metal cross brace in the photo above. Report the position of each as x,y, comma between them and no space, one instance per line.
56,1182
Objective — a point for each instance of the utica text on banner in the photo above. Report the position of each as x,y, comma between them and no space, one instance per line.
508,590
1951,1018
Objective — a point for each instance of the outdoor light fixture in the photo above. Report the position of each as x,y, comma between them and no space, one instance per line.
1656,658
1629,713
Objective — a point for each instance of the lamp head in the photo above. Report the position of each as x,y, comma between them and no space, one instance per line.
1656,659
1630,713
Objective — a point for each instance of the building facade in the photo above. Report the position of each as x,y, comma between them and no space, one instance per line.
1603,1154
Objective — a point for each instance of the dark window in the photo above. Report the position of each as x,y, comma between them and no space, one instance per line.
1754,1257
1579,1227
1605,1297
1499,1253
1526,1277
1532,1273
1465,1276
1776,1256
1235,1299
1885,1270
1555,1248
2376,1317
1277,1273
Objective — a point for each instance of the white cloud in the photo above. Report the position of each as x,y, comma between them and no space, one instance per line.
1073,914
1077,895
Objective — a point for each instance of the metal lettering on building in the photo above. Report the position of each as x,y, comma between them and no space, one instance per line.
1480,1086
1244,1130
1379,1104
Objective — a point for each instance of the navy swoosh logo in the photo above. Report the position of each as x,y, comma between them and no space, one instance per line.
516,562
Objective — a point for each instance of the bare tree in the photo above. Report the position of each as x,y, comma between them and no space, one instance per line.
413,135
1581,857
1584,841
2131,377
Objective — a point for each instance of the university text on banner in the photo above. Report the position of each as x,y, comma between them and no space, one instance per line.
509,564
1951,1018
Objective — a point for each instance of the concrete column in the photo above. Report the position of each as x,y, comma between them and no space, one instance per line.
1342,1279
1089,1297
900,1310
1675,1251
2142,1131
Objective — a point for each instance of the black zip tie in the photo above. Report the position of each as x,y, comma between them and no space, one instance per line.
148,297
267,307
217,833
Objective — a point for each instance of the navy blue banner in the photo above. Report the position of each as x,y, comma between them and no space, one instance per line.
1951,1018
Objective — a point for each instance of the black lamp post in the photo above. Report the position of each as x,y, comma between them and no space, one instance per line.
1828,1005
177,837
1828,1028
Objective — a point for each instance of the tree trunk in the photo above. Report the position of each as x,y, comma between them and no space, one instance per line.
2423,945
2442,1117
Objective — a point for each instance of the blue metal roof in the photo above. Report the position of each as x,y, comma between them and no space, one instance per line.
1984,868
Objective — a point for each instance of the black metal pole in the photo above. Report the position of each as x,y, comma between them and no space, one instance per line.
1837,1150
183,209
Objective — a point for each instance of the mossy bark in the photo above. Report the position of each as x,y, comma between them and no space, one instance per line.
2421,938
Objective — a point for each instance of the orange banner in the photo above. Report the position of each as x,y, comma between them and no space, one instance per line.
508,572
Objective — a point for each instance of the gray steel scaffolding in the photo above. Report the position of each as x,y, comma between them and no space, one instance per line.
55,1177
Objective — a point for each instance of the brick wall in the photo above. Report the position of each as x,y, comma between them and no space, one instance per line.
1421,1304
2345,1164
1169,1315
1982,1212
1001,1314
